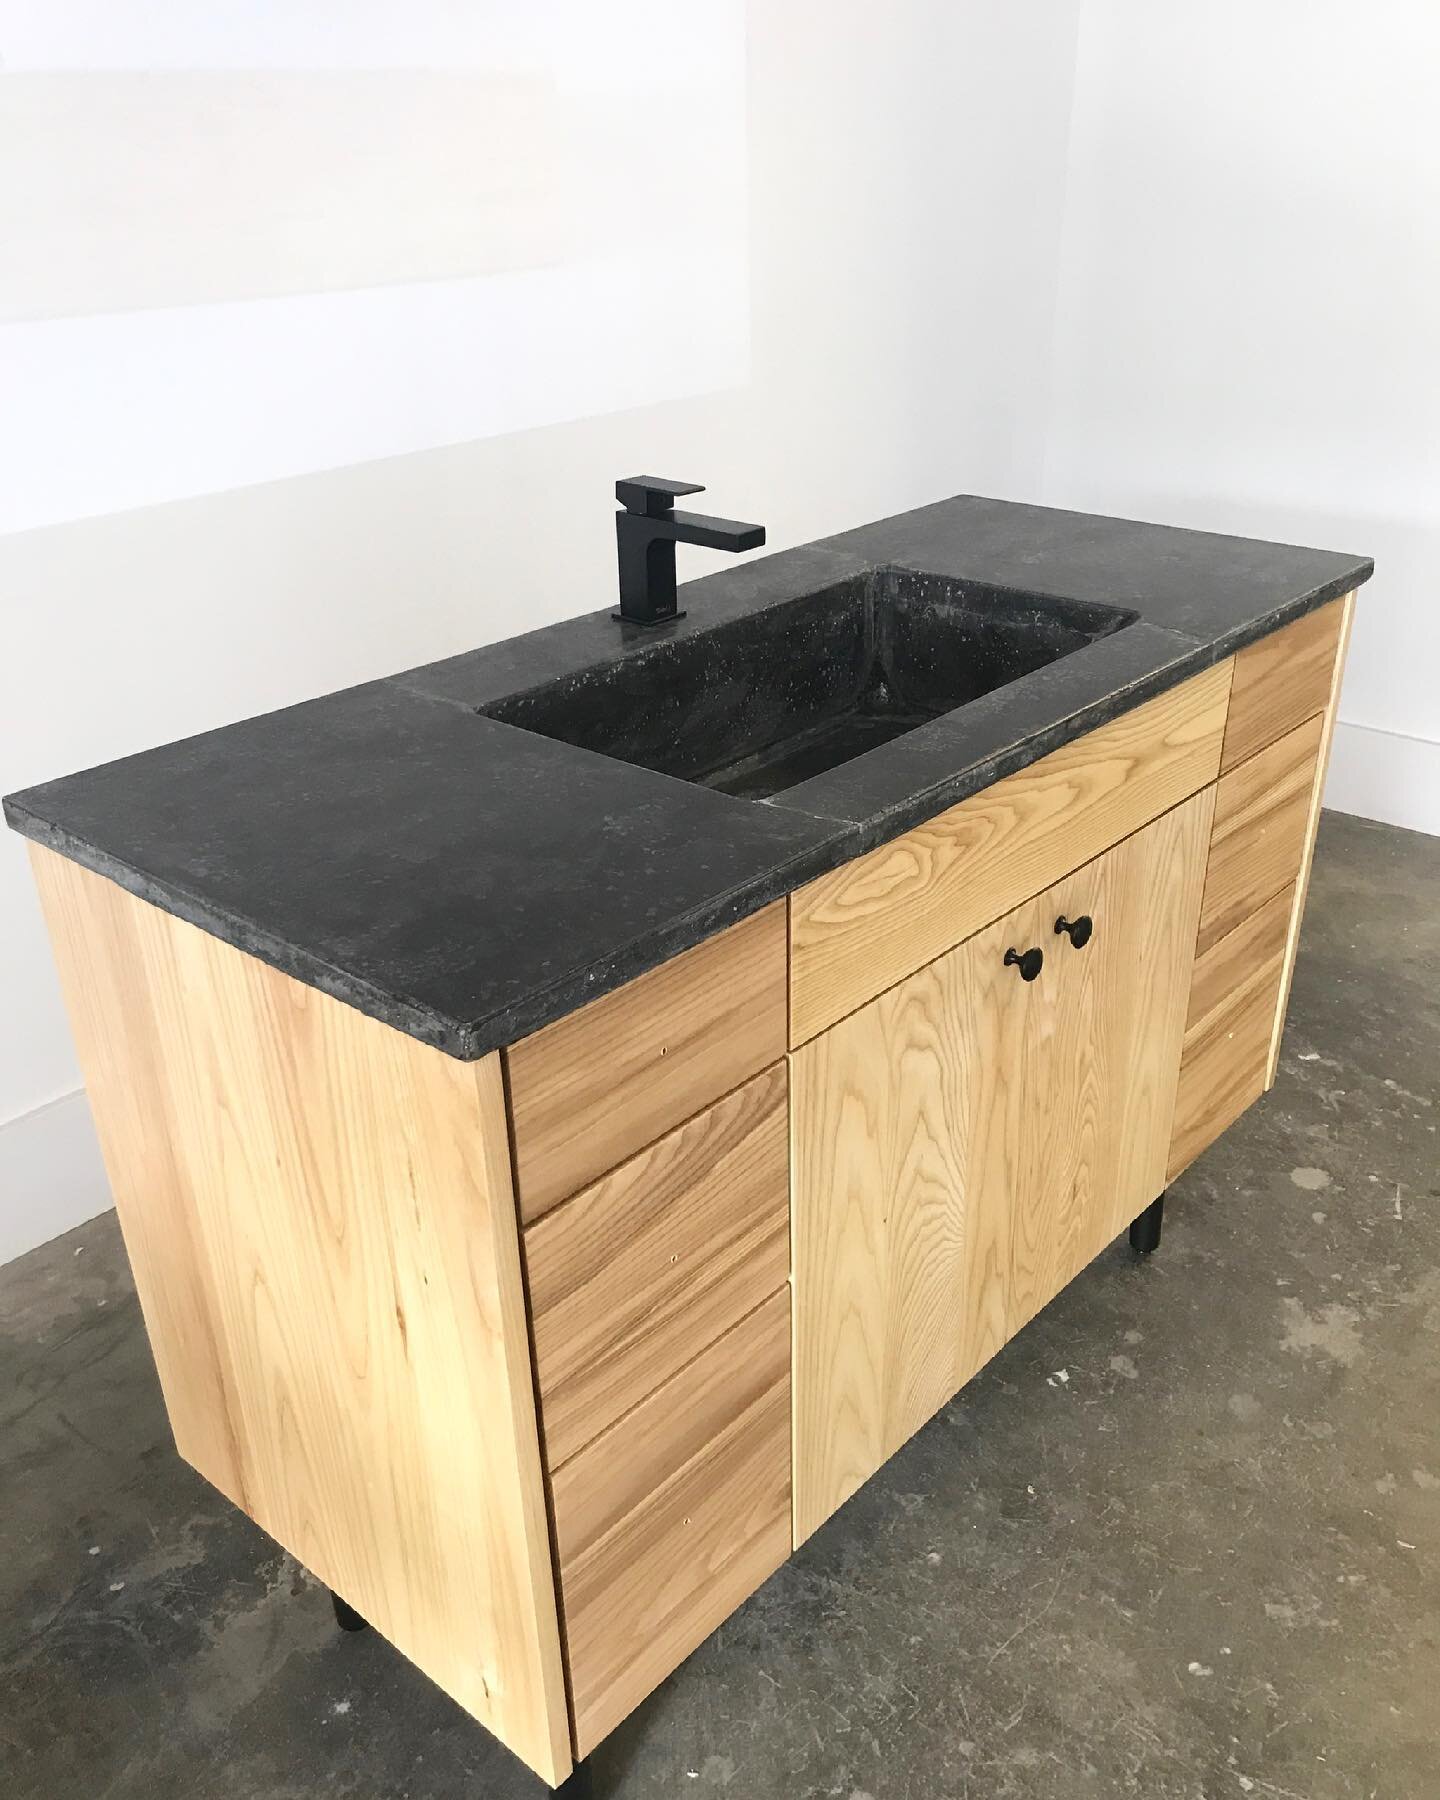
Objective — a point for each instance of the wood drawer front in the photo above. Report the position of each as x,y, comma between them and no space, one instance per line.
1232,1022
598,1085
1282,681
867,925
1261,832
676,1515
636,1274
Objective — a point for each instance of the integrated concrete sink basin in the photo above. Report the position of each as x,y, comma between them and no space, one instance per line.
755,705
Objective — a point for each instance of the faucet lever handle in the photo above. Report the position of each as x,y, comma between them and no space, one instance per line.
652,494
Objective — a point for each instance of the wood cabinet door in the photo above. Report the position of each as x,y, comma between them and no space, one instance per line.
968,1141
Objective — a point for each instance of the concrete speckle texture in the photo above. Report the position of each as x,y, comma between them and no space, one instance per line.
1180,1540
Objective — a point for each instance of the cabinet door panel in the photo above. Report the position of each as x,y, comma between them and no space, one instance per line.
969,1140
1104,1052
889,1225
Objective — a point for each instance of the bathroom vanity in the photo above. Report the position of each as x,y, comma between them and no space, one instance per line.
576,1109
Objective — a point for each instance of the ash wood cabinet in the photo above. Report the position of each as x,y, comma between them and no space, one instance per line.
544,1362
968,1141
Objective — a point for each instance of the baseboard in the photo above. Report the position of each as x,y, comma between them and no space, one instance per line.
51,1175
1385,775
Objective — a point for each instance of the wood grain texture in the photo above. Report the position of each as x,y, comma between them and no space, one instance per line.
601,1083
673,1517
1104,1052
1231,1021
877,919
1317,794
1228,964
638,1273
966,1142
1262,816
319,1214
904,1121
1283,680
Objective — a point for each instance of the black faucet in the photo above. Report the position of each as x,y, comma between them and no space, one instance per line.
646,534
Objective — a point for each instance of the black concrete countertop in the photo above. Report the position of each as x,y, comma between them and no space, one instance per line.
468,881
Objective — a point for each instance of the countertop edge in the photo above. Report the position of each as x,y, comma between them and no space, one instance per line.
1240,637
410,1017
466,1040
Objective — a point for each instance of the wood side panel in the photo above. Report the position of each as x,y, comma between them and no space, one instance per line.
1262,815
121,986
319,1214
1282,680
1317,794
639,1272
872,922
967,1141
601,1083
672,1518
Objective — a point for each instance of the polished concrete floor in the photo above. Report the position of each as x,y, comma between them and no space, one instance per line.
1182,1538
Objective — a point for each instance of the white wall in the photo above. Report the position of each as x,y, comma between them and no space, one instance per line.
270,253
905,175
1246,329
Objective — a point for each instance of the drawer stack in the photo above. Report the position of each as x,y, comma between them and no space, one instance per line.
1267,803
651,1164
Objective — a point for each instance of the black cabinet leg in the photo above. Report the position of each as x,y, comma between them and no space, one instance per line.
346,1616
1145,1231
577,1785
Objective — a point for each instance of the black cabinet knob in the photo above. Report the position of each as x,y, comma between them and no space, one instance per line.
1028,962
1078,929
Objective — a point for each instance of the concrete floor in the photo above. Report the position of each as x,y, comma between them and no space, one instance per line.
1182,1538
